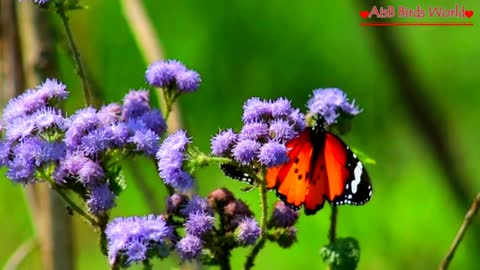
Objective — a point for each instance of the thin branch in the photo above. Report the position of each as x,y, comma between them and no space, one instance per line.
76,54
20,254
461,232
333,225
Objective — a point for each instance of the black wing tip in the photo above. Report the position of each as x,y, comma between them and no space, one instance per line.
235,172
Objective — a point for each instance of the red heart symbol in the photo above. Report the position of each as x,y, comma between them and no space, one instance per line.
365,13
469,13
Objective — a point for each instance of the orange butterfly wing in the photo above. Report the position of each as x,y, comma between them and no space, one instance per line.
292,179
321,167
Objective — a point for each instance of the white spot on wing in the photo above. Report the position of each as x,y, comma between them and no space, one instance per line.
357,173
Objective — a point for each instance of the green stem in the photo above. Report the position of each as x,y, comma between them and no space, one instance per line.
76,55
333,225
74,206
263,225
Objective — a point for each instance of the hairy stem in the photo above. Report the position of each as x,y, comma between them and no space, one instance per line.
263,224
333,225
461,232
76,54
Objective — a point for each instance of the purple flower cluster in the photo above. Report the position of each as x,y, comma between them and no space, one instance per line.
37,135
268,125
237,216
199,221
92,134
135,125
248,231
330,103
172,74
283,219
26,120
171,156
199,215
283,216
129,239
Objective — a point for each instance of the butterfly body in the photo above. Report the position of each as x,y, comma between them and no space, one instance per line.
321,168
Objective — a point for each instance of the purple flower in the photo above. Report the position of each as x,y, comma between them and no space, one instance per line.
199,223
101,199
19,128
255,110
187,81
30,154
196,204
223,142
175,203
132,237
136,251
90,173
153,120
297,119
246,151
47,117
330,103
75,161
162,73
84,119
176,142
135,104
254,131
189,247
21,170
281,108
155,229
273,154
119,133
4,152
52,88
281,130
283,216
80,123
96,141
49,151
170,157
248,231
145,140
268,126
109,114
32,100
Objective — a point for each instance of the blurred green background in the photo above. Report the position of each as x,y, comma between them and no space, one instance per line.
271,49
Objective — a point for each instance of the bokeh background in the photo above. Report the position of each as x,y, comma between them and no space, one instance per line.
245,48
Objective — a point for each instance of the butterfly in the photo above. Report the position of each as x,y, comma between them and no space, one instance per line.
321,168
